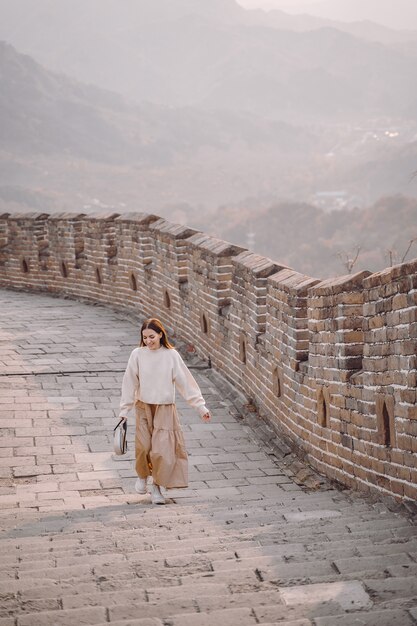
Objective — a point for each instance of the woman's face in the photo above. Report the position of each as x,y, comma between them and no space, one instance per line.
151,338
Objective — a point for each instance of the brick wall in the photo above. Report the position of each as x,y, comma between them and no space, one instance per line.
331,363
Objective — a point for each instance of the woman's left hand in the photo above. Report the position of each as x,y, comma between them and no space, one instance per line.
206,417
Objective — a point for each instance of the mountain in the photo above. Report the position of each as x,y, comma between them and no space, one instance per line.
141,49
392,169
316,242
363,29
401,14
318,74
63,142
41,111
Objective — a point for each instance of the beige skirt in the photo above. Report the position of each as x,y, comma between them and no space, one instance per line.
159,445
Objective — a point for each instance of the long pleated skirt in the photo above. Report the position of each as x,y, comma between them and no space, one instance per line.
159,445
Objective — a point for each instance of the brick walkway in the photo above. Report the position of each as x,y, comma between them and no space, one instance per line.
244,545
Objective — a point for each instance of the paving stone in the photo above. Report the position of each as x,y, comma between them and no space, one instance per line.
161,609
284,571
311,515
297,622
241,576
84,617
48,589
226,617
190,591
385,549
349,595
145,621
389,588
58,573
401,570
371,564
243,599
277,614
220,467
373,618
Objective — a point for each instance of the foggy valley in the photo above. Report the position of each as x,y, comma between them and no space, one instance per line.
289,133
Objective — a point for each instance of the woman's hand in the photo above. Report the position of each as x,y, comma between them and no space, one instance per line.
206,417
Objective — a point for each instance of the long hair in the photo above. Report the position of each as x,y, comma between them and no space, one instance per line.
157,326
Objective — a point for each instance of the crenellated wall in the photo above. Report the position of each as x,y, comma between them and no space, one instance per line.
331,363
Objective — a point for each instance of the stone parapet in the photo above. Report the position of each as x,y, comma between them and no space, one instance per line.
208,296
331,363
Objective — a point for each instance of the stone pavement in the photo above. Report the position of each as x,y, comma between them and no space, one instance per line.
245,544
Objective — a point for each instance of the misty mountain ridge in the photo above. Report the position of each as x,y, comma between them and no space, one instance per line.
362,29
45,112
143,52
191,105
400,15
63,142
316,242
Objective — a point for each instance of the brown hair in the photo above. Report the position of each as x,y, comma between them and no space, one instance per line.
157,326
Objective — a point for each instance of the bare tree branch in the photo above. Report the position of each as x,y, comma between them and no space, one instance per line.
410,243
356,257
347,260
394,255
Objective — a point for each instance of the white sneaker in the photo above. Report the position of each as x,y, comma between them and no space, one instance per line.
157,497
140,485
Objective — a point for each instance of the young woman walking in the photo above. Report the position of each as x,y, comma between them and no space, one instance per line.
153,372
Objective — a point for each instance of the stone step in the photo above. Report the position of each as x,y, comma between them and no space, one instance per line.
243,505
140,505
144,621
131,607
363,544
149,515
214,607
218,583
225,617
348,558
340,561
157,622
190,548
212,549
92,615
190,528
396,617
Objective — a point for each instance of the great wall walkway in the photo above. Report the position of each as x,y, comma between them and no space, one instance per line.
244,545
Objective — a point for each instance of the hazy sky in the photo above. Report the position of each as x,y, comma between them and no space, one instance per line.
270,4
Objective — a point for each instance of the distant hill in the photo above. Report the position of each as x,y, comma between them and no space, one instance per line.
391,168
63,142
317,243
401,14
41,111
141,49
364,28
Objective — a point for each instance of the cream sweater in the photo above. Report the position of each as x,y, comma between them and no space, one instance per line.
152,376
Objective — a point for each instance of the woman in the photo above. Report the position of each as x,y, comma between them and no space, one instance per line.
153,372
